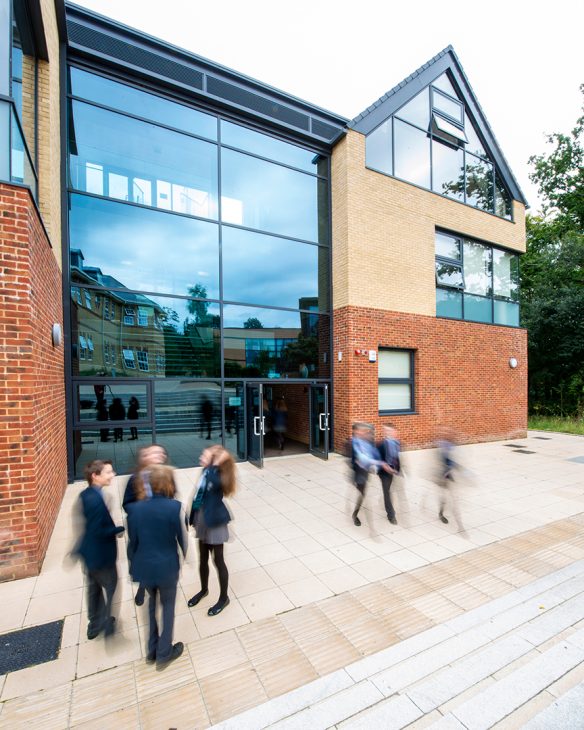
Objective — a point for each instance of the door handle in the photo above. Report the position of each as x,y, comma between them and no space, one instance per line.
257,432
328,427
320,417
263,426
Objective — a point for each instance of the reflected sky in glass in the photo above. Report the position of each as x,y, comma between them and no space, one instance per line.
141,103
263,269
144,249
268,197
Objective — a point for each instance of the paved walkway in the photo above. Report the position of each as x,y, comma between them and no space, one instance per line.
311,593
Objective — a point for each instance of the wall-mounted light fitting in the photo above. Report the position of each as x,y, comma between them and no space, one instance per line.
57,334
512,363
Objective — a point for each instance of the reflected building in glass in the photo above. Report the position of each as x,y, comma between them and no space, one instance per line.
235,260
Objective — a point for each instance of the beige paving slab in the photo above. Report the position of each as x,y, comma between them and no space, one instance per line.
125,719
182,707
52,705
279,675
265,603
150,682
99,654
103,693
244,690
42,676
246,582
266,639
288,571
306,590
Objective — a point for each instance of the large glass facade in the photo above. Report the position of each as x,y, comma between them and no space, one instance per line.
432,142
199,259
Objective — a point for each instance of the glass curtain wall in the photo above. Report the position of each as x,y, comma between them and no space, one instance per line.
432,142
199,257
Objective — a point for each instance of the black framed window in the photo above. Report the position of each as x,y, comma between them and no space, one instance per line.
433,142
475,281
396,381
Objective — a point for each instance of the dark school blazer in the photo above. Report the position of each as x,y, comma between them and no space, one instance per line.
215,512
97,546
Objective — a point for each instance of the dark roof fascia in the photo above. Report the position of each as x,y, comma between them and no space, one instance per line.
61,20
208,68
446,60
30,22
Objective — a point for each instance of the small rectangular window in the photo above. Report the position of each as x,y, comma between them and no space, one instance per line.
129,360
142,360
446,130
129,316
449,274
396,381
448,106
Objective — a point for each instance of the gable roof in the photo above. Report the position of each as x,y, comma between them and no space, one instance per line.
395,98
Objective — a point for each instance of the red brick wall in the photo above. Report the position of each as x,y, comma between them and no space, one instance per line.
33,463
462,376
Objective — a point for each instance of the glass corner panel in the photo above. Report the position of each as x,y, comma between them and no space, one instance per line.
507,313
478,309
503,206
412,154
447,170
378,148
4,137
449,303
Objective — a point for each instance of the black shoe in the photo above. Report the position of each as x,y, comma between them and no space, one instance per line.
151,657
196,598
218,607
392,520
356,520
92,634
176,651
443,518
139,597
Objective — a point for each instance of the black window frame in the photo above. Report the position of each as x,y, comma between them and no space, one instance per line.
411,381
492,297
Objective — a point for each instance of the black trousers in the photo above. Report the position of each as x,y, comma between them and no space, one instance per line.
386,480
361,477
99,606
160,643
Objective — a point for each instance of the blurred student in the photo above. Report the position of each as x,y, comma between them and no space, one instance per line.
364,459
133,413
210,517
157,530
389,451
446,443
138,488
280,421
98,548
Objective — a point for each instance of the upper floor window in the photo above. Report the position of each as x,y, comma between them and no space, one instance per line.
432,142
475,281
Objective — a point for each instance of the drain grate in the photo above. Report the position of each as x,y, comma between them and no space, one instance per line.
514,446
523,451
28,647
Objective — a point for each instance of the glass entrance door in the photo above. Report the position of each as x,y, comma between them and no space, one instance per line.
319,421
256,423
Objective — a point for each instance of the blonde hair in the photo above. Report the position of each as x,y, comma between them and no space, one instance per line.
225,463
161,478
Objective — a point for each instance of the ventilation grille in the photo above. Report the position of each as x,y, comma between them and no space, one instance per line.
134,55
249,100
321,129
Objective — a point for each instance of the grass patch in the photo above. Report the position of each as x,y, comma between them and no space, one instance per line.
556,423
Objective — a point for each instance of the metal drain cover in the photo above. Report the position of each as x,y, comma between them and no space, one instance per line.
28,647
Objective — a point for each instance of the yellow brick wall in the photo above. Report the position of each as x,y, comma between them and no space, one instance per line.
49,132
383,234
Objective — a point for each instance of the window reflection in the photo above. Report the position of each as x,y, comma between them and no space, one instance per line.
505,275
417,111
379,155
235,135
141,103
447,170
275,344
262,269
412,154
478,309
119,157
449,303
479,183
477,268
271,198
134,335
124,246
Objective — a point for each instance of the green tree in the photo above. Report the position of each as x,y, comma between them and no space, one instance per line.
252,323
198,309
552,278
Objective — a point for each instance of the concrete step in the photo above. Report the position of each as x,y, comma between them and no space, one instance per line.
483,669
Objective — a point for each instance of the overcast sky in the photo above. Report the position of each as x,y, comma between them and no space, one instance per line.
524,60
